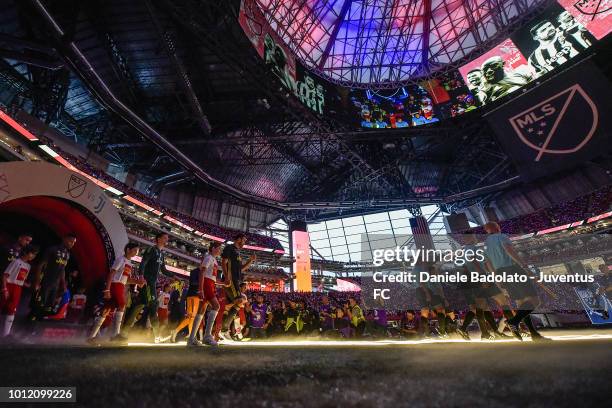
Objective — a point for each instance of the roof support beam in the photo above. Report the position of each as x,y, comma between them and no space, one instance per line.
129,86
168,44
296,109
334,34
83,68
425,35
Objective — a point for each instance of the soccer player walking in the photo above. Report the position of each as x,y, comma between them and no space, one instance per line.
13,280
233,269
207,293
502,257
152,263
119,276
11,252
51,272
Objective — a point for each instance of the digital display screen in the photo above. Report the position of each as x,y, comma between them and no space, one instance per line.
301,265
497,73
450,94
558,34
595,15
552,39
400,108
412,105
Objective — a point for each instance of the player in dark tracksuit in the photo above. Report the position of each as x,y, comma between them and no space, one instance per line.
152,263
231,263
50,272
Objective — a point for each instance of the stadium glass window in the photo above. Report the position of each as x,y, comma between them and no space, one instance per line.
280,231
325,252
354,230
316,227
402,231
382,227
344,239
337,241
400,222
399,215
342,257
317,235
372,218
335,232
352,221
333,224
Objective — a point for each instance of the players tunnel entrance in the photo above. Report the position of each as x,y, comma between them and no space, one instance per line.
50,218
51,201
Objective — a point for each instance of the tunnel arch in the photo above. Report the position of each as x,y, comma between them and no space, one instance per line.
66,202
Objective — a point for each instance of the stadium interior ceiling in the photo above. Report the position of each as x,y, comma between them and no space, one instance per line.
173,92
388,43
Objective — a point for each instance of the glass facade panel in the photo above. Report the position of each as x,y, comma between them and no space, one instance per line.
348,236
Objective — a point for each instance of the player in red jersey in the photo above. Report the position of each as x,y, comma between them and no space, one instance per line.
114,294
163,300
208,295
13,280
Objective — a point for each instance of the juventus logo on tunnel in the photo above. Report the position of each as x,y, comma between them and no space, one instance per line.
561,124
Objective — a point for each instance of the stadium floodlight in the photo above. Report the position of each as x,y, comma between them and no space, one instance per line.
48,150
114,191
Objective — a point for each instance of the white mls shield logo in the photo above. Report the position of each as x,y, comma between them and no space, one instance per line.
76,186
561,124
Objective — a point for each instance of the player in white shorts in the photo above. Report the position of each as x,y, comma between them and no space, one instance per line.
208,294
119,276
13,281
163,300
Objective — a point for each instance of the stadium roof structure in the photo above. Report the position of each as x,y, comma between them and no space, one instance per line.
385,43
174,91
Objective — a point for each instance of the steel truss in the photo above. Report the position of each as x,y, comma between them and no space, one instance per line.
391,43
339,163
199,17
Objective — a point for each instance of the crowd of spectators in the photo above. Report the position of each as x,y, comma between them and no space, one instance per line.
578,209
578,248
172,244
270,271
310,299
308,309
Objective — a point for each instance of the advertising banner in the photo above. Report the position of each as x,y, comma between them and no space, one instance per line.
301,265
268,44
280,60
596,304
